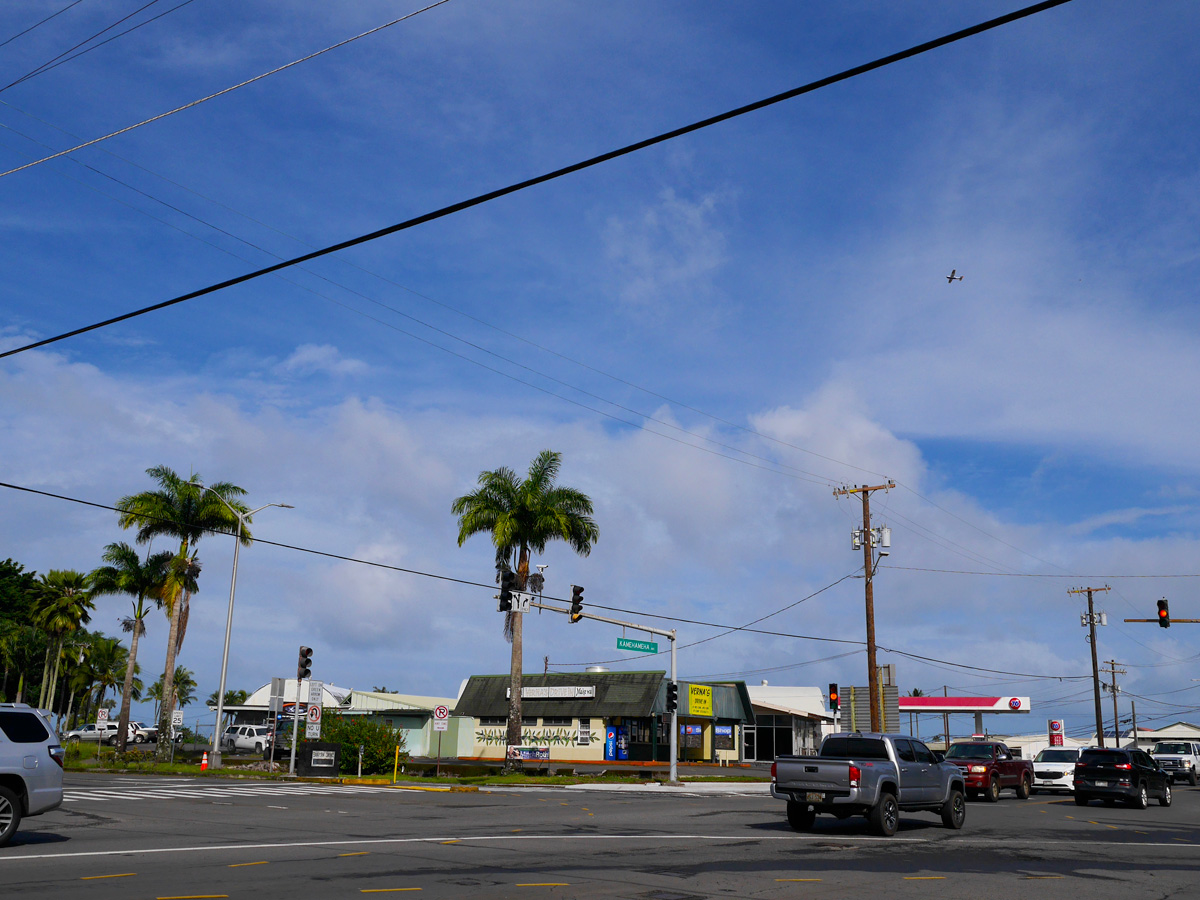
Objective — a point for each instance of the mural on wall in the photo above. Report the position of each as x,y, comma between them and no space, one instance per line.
565,737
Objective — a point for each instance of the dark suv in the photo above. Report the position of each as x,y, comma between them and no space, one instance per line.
31,767
1112,775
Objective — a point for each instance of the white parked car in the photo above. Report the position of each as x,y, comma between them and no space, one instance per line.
1054,770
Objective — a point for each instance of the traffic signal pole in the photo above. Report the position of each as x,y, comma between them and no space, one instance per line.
669,635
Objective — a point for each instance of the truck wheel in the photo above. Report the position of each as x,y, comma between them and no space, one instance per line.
1192,778
10,815
954,810
800,816
1165,798
992,794
1024,788
258,748
884,816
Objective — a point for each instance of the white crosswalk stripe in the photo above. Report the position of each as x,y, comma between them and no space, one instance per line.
224,791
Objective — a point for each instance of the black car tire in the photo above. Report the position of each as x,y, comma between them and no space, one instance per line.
10,815
1081,800
258,748
1024,789
1165,798
1192,779
972,795
1141,799
954,810
992,794
885,815
800,816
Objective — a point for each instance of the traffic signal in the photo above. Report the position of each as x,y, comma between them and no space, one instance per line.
507,580
672,696
304,664
576,604
1164,614
834,701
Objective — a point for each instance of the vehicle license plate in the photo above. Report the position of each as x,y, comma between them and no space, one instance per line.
814,797
1101,784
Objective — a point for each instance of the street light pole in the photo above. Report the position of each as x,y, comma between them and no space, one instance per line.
214,757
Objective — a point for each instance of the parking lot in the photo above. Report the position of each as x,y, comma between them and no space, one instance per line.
124,836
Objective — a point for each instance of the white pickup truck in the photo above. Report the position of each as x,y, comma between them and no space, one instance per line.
1179,759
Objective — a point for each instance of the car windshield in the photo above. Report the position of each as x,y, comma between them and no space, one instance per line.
1180,747
969,751
1057,756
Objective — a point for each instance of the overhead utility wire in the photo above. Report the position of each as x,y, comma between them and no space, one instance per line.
1029,575
63,58
620,609
223,91
540,179
42,22
49,62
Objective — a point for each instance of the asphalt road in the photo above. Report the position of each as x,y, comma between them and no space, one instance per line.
139,837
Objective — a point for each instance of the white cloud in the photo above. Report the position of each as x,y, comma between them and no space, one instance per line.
311,359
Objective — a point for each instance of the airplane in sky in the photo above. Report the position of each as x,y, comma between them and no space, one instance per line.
951,277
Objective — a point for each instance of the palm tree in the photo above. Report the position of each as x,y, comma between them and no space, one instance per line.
179,509
915,692
232,698
144,582
522,517
64,605
185,688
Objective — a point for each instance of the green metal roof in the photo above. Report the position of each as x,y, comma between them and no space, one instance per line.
630,694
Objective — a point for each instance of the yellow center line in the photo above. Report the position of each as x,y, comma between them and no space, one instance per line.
1070,817
1092,822
543,884
121,875
455,841
924,877
385,890
197,897
1035,877
1184,840
259,863
797,879
359,853
1141,832
1113,827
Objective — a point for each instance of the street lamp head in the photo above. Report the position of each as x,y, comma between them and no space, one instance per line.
285,505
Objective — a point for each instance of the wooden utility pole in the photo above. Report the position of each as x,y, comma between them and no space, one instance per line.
1113,672
1091,623
868,545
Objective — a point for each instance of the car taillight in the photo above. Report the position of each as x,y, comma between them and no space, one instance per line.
57,753
1123,766
773,771
855,774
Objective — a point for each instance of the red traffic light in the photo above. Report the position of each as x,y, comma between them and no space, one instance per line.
1164,613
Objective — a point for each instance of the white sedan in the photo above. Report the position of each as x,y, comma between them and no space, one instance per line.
1054,770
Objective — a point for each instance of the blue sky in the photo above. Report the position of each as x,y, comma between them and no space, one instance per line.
715,332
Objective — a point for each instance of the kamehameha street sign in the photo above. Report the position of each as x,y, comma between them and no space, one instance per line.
640,646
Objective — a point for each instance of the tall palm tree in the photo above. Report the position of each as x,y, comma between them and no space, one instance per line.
146,583
179,509
64,605
185,687
522,517
915,692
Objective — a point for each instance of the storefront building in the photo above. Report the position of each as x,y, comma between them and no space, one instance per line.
598,716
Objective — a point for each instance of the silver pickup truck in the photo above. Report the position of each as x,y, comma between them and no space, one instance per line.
872,775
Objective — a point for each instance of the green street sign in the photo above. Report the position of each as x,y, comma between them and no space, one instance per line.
640,646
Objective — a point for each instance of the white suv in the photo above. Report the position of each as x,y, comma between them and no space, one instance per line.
31,767
247,737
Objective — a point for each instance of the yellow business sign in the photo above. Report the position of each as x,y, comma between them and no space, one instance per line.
700,700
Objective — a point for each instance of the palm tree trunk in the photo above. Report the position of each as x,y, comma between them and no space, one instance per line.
45,678
163,751
516,664
20,686
127,690
54,677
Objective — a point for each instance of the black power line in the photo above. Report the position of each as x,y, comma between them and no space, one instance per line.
566,170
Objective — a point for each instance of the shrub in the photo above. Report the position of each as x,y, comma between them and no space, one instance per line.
378,739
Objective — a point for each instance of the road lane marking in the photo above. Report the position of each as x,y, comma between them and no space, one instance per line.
453,841
197,897
7,859
797,879
261,862
1040,877
924,877
1184,840
542,884
121,875
385,890
359,853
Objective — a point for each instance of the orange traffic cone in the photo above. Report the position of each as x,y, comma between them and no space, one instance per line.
204,761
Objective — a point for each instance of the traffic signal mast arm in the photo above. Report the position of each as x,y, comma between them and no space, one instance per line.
587,615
